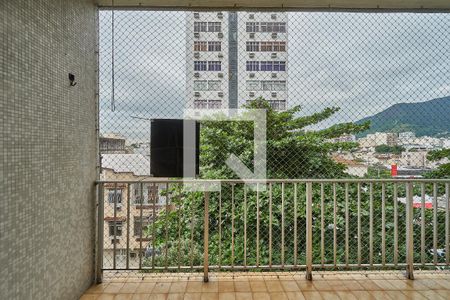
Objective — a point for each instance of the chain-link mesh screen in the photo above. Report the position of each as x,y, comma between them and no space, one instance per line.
348,95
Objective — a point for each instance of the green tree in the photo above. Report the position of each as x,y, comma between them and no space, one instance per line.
238,235
443,171
389,149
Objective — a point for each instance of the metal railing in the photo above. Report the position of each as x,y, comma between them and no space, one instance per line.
305,224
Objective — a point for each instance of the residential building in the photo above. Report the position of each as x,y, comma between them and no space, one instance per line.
136,205
112,143
236,57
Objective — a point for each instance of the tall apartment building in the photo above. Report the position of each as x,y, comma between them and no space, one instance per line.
236,57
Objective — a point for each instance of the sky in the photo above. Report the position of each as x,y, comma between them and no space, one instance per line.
360,62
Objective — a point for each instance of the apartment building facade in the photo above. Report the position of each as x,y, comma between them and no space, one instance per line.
236,57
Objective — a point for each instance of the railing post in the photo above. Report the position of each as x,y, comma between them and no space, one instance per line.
206,238
309,231
409,232
100,217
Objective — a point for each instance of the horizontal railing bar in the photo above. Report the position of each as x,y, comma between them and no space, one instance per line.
254,181
295,267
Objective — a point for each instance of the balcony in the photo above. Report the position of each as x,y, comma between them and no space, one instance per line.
73,72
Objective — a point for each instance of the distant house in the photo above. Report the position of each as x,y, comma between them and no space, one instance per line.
352,167
112,143
129,209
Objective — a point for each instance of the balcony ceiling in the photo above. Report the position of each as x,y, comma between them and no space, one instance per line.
294,4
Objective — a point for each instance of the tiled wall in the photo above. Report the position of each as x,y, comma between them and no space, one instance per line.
47,147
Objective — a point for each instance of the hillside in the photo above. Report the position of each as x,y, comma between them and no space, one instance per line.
430,118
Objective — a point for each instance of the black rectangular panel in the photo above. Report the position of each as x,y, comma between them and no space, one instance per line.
166,148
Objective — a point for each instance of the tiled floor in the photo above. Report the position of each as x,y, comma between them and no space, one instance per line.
379,285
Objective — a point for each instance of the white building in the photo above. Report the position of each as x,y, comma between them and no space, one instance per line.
263,57
236,57
378,139
207,60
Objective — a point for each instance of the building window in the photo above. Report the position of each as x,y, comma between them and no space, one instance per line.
140,224
266,27
252,46
214,85
199,46
214,66
115,193
214,104
253,85
118,226
200,104
279,66
214,46
214,27
199,65
274,104
200,85
252,66
207,104
200,27
279,46
252,26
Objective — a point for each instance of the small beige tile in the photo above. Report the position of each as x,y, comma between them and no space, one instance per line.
396,295
210,296
312,295
192,296
123,296
227,295
158,297
113,287
210,287
178,287
243,296
226,286
175,296
161,287
258,286
289,285
242,286
105,297
129,287
97,288
306,285
261,296
278,296
346,295
295,295
141,296
145,287
431,294
194,287
329,295
363,295
274,286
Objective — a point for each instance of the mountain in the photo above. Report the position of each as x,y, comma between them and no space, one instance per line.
430,118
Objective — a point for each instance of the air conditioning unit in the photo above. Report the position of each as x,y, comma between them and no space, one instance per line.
220,55
196,55
220,15
274,35
274,94
273,55
251,94
252,75
196,74
196,35
251,55
220,75
196,15
273,16
274,75
252,35
220,35
220,94
197,94
251,16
